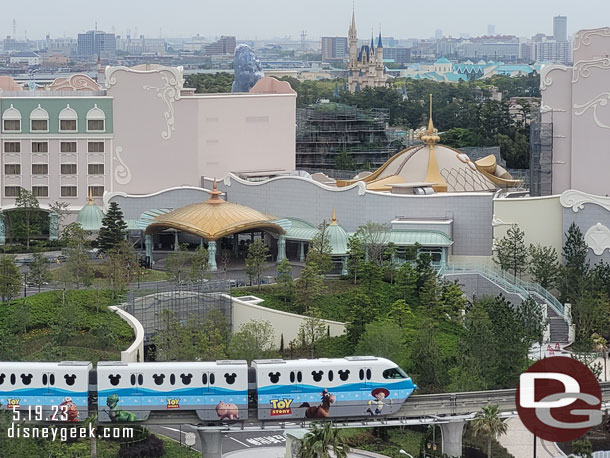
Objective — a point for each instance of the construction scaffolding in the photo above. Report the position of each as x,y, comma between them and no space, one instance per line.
193,301
541,154
326,130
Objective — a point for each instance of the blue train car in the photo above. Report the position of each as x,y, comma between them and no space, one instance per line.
330,388
46,391
216,391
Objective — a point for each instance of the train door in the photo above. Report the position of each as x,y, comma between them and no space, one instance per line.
296,379
208,380
48,381
136,380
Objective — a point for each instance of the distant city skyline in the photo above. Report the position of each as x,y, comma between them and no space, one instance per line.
287,18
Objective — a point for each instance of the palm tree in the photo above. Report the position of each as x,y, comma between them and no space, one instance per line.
488,423
320,440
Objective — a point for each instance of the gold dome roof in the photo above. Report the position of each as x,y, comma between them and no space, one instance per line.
213,219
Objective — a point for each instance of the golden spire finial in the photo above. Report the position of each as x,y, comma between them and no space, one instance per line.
333,219
214,199
90,197
430,138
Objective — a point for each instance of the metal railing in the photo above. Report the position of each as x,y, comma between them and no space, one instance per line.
508,282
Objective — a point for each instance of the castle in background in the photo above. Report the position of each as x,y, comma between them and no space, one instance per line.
366,67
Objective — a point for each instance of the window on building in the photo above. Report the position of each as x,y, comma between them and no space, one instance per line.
95,147
95,169
67,124
95,125
40,169
12,147
96,191
40,147
68,147
13,125
40,191
12,169
68,169
68,191
40,125
12,191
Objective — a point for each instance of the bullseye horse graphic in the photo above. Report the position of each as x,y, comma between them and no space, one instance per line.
323,410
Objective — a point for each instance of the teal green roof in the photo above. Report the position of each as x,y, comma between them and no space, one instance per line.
443,60
148,216
297,229
422,237
90,217
337,238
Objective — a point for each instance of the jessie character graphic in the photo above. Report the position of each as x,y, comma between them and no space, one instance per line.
380,395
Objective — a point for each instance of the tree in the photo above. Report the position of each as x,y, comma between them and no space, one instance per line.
544,265
255,261
591,314
284,279
582,448
78,269
532,320
309,287
10,278
355,256
428,366
319,442
487,422
575,266
319,256
254,340
113,230
121,266
38,274
374,238
178,264
511,252
199,264
28,207
61,210
382,337
311,330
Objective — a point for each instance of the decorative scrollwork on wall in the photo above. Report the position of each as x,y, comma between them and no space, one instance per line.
600,100
577,199
583,67
169,93
598,238
545,77
584,37
122,174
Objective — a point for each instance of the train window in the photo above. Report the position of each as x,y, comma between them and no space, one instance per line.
361,374
70,379
204,378
158,378
368,374
51,379
44,379
186,378
114,379
330,376
140,379
299,377
212,379
2,378
133,379
12,379
317,375
230,378
343,374
291,376
395,372
172,379
274,377
26,378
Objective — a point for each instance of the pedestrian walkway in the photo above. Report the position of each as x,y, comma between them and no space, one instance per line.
280,452
520,442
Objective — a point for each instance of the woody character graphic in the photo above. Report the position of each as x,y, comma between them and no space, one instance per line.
379,400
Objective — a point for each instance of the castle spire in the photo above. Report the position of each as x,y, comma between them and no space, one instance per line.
333,219
379,42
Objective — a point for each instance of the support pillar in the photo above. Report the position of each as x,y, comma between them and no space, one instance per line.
452,438
344,266
201,243
235,245
281,248
211,443
148,244
176,243
2,230
212,255
301,251
53,226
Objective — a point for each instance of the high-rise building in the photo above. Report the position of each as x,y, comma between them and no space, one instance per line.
96,42
366,67
334,49
560,28
491,30
553,51
226,45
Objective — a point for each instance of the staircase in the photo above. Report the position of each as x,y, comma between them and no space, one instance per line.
515,290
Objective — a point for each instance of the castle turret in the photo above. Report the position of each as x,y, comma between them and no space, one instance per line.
379,50
352,38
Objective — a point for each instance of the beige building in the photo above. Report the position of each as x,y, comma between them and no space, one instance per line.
365,67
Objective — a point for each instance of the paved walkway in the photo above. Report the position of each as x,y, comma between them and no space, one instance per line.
520,442
280,452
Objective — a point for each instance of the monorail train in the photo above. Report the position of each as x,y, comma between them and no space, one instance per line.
278,389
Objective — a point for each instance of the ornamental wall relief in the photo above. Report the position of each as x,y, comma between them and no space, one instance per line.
598,238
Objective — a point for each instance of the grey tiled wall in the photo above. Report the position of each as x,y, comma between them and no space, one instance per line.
590,215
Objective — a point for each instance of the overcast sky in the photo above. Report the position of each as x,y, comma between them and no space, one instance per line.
249,19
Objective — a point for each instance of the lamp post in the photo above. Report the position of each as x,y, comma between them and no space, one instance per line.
25,284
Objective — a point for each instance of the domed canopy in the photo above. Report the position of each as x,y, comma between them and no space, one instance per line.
215,218
337,237
90,216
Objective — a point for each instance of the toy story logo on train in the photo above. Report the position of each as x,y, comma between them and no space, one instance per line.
281,406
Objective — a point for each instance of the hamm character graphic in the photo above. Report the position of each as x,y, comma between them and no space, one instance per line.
227,411
380,395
